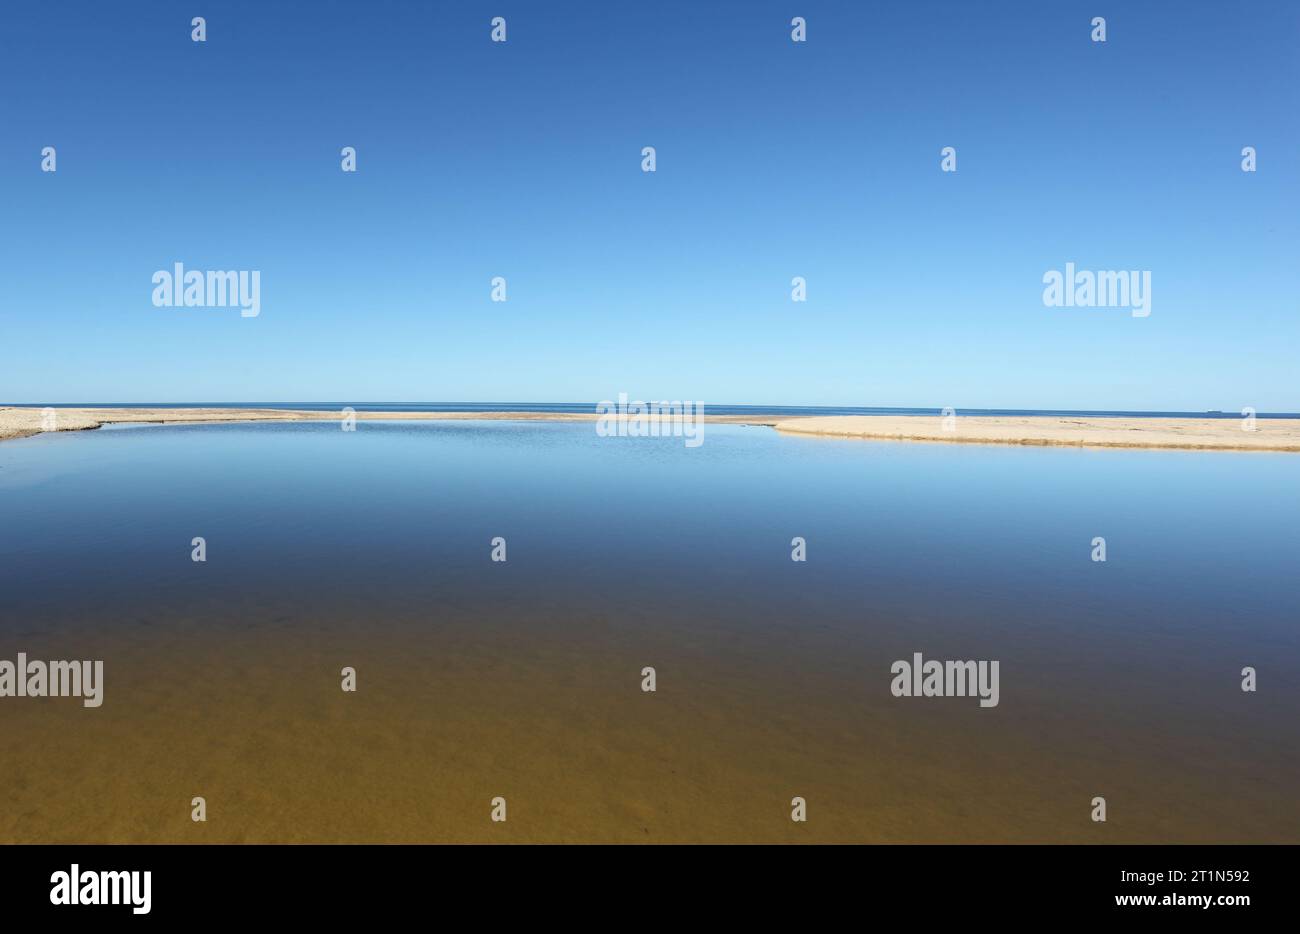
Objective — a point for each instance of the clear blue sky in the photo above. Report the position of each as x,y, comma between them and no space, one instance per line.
774,160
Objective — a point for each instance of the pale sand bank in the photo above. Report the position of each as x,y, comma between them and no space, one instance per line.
1270,434
1225,434
18,422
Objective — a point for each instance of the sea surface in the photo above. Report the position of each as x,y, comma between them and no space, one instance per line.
523,679
587,408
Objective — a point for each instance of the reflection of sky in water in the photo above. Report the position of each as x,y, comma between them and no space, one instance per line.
1209,538
970,550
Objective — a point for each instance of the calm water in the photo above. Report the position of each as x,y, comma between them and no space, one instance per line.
586,408
477,679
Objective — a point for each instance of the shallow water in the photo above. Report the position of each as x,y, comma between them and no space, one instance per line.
523,679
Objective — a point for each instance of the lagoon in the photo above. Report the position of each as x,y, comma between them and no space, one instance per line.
522,679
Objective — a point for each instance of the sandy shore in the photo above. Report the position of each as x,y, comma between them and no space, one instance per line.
19,422
1224,434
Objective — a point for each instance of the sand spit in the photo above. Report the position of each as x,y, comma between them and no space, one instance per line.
1205,434
1200,434
18,422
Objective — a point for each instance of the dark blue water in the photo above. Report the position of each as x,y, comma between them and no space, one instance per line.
589,407
1122,676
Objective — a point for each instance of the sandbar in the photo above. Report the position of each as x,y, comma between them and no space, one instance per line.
1200,434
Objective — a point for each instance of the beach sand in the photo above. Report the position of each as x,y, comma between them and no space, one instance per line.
1208,434
1226,434
19,422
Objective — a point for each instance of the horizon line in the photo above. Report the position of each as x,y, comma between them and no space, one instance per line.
756,407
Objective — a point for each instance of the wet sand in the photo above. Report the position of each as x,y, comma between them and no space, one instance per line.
1201,434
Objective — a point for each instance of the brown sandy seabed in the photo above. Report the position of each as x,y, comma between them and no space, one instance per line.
457,705
550,716
1175,433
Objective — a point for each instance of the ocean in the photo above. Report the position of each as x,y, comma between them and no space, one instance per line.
586,408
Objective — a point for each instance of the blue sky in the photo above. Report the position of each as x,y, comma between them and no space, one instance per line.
775,160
